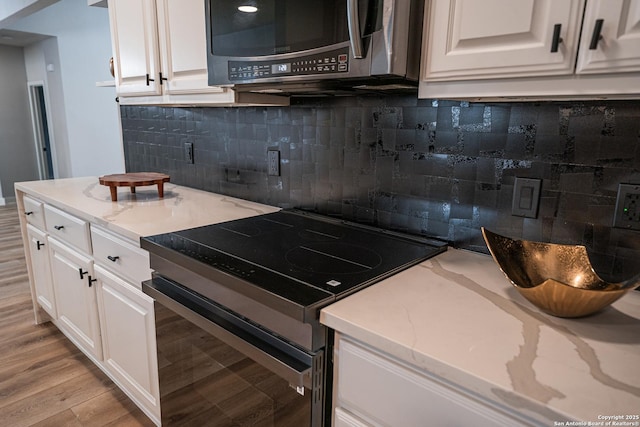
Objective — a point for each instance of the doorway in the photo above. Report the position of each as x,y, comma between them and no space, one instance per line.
41,134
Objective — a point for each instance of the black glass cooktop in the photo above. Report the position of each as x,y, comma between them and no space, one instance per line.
297,255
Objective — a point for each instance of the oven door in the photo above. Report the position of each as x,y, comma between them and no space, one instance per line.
217,368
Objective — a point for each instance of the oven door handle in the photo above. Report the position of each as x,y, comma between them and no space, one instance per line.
284,360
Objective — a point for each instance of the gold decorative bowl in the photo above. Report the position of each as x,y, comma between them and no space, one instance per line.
558,279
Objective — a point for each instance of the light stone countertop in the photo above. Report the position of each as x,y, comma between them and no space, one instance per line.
142,213
457,317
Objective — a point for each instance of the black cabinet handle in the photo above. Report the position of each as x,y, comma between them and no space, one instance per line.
162,78
82,273
91,280
556,40
39,244
596,36
113,258
58,227
29,213
149,79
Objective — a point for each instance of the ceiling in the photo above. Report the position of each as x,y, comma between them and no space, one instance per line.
12,11
19,38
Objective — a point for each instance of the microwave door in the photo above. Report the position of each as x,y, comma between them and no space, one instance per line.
250,28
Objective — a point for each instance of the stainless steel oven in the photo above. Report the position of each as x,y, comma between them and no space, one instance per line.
219,369
237,313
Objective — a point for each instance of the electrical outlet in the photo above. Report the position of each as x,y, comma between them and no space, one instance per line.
627,214
188,152
273,162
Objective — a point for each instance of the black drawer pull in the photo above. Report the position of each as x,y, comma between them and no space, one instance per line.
39,244
162,78
149,79
556,40
596,36
82,273
113,258
58,227
91,280
29,213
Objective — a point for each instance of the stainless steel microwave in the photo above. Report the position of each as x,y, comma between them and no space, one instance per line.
310,46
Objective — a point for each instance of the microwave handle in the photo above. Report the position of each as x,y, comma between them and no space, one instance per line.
353,19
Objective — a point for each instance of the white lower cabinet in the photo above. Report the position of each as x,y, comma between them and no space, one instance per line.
41,270
373,389
127,323
75,294
88,280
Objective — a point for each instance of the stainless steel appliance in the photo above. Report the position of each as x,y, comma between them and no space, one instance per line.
310,46
237,313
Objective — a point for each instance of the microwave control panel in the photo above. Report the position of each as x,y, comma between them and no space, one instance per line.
336,61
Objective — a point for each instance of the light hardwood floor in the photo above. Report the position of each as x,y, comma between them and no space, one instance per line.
44,379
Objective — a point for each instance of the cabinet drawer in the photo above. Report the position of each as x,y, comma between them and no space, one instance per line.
68,228
120,256
383,392
34,212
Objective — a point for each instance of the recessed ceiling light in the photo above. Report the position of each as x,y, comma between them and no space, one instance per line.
248,9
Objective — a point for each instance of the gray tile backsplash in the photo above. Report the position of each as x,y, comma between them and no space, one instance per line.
436,168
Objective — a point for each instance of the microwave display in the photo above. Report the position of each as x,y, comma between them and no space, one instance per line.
251,28
336,61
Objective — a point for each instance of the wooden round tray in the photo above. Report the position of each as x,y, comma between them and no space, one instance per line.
133,180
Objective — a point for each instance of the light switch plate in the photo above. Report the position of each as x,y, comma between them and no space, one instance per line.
188,152
526,197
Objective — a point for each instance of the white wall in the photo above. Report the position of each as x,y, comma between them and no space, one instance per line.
17,147
92,144
36,58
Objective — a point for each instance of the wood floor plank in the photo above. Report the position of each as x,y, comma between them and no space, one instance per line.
61,419
109,408
45,381
45,376
44,404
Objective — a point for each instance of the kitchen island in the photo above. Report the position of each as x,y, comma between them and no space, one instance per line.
454,322
86,267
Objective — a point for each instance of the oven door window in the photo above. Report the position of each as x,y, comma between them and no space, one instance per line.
204,382
271,27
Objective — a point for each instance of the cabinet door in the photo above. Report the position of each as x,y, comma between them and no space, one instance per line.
127,322
75,295
183,46
134,39
618,49
38,248
470,39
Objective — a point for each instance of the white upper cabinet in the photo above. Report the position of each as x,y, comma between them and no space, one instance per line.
610,39
183,43
160,55
134,36
531,49
506,38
